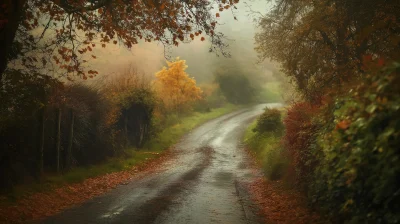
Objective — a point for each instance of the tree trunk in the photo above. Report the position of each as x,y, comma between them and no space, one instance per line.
13,14
58,138
70,140
41,142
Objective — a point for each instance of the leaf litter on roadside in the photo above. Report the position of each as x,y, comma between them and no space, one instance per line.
44,204
276,203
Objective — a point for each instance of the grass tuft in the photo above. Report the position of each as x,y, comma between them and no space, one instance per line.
268,151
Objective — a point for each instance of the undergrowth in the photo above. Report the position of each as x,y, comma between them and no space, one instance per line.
266,146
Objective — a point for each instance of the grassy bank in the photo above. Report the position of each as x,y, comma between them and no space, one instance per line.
267,149
131,157
274,193
172,134
265,144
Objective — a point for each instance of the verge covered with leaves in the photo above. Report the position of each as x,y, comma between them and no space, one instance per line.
278,203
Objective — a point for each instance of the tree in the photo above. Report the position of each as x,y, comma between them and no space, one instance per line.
133,103
175,87
62,31
321,44
236,88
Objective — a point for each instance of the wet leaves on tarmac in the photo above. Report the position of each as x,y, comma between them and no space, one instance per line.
44,204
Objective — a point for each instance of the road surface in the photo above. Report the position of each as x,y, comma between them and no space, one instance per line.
202,184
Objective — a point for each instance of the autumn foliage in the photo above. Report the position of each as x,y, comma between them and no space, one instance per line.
356,179
299,132
55,127
321,44
70,31
175,88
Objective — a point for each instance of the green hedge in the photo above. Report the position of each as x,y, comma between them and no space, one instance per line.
357,179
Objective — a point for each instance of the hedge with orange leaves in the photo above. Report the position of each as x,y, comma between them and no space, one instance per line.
299,135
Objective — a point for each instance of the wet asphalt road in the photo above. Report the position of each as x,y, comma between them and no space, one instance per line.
202,184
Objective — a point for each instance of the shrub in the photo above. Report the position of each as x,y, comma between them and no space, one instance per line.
133,104
299,136
270,122
137,115
359,169
263,137
92,141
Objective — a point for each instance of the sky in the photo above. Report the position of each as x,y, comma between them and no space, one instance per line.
149,58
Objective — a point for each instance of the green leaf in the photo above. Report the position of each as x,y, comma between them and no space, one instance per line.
371,108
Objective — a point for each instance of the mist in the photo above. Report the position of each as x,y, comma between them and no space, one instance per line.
148,58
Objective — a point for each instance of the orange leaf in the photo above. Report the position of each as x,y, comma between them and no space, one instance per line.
343,124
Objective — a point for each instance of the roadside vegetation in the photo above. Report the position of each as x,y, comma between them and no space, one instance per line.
263,138
335,146
341,130
275,192
66,133
340,155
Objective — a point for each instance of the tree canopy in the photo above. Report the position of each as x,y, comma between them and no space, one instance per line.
321,44
175,87
66,31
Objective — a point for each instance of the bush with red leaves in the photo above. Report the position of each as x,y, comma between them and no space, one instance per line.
299,135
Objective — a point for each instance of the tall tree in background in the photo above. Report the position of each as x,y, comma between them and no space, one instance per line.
175,87
62,31
321,44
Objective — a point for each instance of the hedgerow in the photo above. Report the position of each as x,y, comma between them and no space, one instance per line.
299,136
357,179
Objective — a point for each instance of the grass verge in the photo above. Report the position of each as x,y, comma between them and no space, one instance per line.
172,134
274,194
268,151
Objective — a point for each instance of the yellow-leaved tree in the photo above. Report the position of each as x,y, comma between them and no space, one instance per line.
176,89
